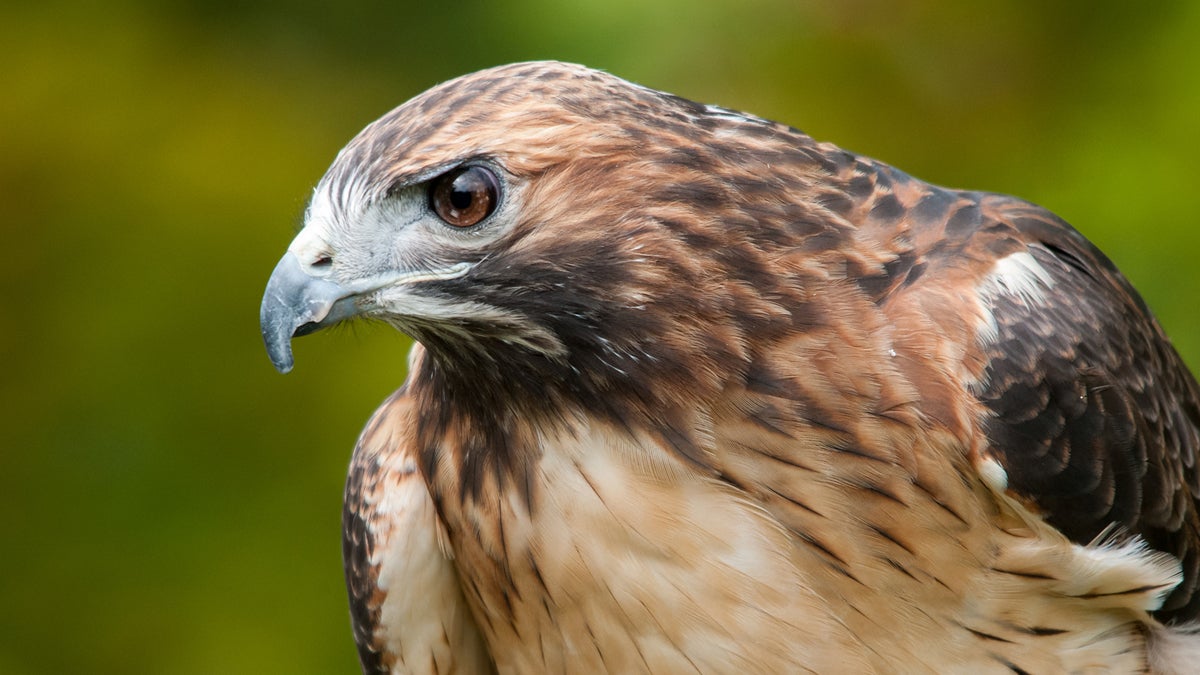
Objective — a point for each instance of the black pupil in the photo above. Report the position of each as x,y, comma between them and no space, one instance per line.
464,188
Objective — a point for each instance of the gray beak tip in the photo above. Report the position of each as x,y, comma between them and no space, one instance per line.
281,357
277,336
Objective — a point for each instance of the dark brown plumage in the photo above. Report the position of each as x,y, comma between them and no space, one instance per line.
695,391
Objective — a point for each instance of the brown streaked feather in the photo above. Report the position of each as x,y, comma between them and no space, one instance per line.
1099,425
406,607
754,401
1090,410
358,550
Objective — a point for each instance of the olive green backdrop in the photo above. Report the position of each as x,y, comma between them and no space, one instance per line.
170,504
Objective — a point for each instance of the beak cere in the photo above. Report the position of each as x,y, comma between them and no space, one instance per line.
296,303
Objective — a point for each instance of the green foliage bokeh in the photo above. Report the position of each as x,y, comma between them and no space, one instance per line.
170,504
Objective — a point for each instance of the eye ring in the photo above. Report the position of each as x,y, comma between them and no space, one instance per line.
464,196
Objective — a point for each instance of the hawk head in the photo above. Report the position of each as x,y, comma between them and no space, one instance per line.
545,229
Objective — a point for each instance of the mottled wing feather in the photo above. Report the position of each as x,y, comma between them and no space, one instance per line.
1093,414
406,602
359,546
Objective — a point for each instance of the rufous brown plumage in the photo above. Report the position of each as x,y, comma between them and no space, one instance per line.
693,392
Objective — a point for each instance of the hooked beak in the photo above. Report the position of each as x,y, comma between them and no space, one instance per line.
296,303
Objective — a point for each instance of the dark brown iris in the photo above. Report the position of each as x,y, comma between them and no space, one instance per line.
465,196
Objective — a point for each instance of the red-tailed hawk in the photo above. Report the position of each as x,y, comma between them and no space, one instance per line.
694,392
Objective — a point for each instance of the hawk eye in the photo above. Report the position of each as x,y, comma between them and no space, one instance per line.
464,196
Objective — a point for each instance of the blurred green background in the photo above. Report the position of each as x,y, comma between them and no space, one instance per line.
170,504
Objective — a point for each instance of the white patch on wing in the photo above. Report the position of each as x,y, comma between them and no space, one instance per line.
1019,276
1089,598
1114,563
993,474
1114,570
